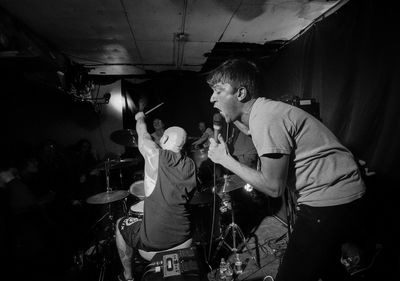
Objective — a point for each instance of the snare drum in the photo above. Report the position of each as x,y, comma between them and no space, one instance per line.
136,210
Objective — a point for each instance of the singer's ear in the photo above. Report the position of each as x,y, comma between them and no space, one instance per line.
243,94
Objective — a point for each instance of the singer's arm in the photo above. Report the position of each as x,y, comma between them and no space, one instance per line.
271,179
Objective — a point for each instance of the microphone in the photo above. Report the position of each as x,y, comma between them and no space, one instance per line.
217,125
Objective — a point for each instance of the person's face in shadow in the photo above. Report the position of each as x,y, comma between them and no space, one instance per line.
85,148
202,127
158,124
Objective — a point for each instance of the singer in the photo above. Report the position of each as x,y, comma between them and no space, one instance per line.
301,154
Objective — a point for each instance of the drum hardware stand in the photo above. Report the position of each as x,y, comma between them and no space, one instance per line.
109,232
227,205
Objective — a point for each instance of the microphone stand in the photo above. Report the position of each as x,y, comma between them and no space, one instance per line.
217,121
232,227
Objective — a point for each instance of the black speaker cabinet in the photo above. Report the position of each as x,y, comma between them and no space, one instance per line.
309,105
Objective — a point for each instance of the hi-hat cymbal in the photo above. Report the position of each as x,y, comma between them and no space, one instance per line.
125,137
116,164
231,183
107,197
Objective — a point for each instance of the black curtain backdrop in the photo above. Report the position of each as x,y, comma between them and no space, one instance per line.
349,63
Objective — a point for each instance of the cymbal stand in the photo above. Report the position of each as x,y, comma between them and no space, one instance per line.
227,205
109,231
106,260
107,170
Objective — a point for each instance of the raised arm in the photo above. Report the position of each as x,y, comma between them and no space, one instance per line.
147,147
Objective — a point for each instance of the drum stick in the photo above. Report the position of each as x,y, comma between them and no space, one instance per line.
150,110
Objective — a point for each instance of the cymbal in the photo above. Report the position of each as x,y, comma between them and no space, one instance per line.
107,197
125,137
123,163
116,164
233,182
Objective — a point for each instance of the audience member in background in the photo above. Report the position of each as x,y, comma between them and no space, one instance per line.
159,128
55,169
242,148
29,234
83,163
206,134
29,174
84,183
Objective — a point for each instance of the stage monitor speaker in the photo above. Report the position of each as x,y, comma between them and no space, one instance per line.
177,265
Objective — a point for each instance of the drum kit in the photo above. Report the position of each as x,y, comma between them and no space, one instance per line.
113,197
203,197
126,137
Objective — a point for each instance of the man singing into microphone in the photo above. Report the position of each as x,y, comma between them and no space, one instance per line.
297,152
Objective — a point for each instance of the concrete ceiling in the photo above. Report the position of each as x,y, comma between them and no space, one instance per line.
134,36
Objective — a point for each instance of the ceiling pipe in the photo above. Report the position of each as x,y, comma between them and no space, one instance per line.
180,40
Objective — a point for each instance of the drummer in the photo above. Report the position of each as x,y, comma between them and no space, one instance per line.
206,134
169,184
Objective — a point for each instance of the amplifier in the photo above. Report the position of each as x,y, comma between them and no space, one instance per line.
184,265
309,105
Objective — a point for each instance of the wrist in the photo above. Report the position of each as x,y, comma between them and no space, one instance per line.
139,115
227,161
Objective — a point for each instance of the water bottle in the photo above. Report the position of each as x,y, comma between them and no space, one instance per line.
222,269
228,272
238,267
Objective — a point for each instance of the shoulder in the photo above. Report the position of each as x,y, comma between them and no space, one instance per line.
270,111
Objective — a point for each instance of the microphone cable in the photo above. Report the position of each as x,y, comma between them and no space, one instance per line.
214,202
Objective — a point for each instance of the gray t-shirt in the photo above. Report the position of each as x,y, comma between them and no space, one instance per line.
322,171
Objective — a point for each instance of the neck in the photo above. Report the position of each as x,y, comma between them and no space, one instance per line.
246,111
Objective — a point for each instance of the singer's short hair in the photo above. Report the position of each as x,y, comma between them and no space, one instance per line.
238,73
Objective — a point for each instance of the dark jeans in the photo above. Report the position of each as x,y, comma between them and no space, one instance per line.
314,247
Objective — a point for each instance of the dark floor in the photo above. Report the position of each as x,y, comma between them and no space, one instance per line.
81,246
